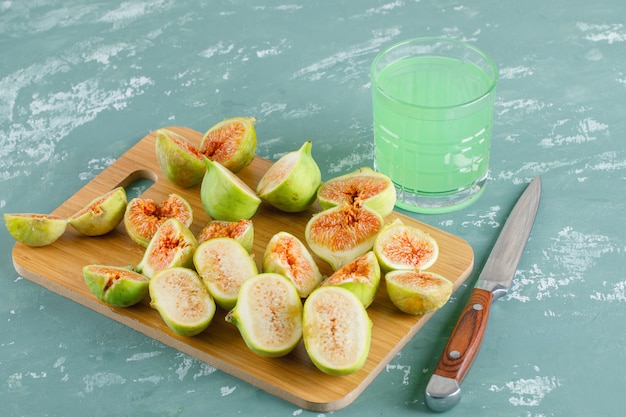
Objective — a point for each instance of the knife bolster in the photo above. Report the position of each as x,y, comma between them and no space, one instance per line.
498,290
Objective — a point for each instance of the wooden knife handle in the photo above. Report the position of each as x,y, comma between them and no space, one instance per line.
465,340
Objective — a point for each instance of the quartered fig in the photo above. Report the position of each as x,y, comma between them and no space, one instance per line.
172,245
417,292
224,264
337,331
361,187
102,214
118,286
180,161
360,276
182,300
402,246
268,315
35,229
225,196
285,254
340,234
231,142
144,216
291,183
242,231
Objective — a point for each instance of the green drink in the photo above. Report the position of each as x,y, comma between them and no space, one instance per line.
433,109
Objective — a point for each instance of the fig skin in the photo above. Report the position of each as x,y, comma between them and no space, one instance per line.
361,187
340,234
173,245
268,315
225,196
182,300
117,286
285,254
291,183
143,216
180,161
224,265
337,330
400,246
360,276
34,229
242,231
231,142
417,292
102,214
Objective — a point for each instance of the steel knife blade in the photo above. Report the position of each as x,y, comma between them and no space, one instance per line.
444,387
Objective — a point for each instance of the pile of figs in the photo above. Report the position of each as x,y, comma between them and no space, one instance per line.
287,299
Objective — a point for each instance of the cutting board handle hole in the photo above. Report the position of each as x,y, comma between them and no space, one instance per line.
137,182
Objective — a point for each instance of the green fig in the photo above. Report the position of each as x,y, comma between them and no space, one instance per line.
35,229
268,315
181,162
231,142
361,276
182,300
224,264
172,245
118,286
417,292
361,187
144,216
102,214
242,231
225,196
291,183
401,246
337,330
340,234
285,254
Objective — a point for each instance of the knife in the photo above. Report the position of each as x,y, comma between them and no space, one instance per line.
443,390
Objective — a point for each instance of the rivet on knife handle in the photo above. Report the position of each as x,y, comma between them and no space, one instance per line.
443,391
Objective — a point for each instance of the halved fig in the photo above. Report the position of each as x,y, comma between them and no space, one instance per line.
417,292
361,277
182,300
268,315
144,216
337,330
118,286
180,161
402,246
102,214
242,231
285,254
172,245
340,234
225,196
361,187
291,183
224,264
231,142
35,229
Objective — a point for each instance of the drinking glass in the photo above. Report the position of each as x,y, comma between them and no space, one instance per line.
432,102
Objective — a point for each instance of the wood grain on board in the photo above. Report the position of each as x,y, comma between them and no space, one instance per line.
293,378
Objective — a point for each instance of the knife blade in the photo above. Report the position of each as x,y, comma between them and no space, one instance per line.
444,387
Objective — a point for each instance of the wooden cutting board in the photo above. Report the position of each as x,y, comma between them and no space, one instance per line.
293,377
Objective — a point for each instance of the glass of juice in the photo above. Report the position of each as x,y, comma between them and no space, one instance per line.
432,102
